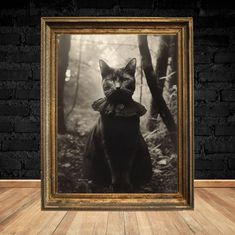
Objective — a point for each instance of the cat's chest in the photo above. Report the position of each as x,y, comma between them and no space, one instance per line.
120,127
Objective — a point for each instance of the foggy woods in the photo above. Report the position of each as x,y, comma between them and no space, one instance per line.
80,84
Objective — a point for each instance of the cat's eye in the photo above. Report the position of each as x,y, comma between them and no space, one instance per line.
126,78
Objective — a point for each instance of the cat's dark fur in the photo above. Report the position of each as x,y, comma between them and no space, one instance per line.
116,153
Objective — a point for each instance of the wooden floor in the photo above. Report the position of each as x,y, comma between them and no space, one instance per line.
214,213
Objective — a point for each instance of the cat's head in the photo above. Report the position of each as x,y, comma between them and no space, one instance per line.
118,84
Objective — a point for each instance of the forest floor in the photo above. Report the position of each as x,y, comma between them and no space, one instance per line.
71,148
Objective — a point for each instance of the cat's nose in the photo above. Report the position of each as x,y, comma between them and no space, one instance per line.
117,85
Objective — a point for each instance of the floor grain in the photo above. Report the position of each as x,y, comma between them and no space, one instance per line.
214,213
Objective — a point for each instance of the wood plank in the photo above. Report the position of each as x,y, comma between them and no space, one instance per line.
13,217
115,225
19,199
214,183
77,222
101,222
6,194
48,225
83,222
214,216
226,208
14,224
161,223
20,183
65,223
197,222
143,222
179,223
88,225
130,221
214,213
227,194
34,221
2,190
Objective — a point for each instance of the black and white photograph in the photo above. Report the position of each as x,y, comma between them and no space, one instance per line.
117,113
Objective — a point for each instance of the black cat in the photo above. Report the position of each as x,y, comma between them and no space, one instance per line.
116,153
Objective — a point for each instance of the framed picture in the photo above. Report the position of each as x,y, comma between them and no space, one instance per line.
116,113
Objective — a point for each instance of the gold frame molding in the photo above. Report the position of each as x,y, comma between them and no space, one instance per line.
183,29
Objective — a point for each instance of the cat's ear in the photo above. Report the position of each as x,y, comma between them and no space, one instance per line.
104,68
130,67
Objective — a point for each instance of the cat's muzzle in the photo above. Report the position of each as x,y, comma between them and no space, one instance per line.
120,95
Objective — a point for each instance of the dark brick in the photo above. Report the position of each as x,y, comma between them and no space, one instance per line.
181,4
5,126
6,20
197,145
205,164
33,39
229,174
17,5
96,4
202,130
222,146
217,76
27,20
22,94
228,95
32,164
32,174
231,163
211,174
199,174
3,56
24,56
224,57
8,163
9,39
136,4
6,94
214,22
211,4
20,145
216,110
14,109
212,40
35,108
27,126
14,75
36,74
205,94
224,130
33,94
202,57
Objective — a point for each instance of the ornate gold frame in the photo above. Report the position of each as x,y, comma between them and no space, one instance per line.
183,28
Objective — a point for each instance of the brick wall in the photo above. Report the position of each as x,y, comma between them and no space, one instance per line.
214,34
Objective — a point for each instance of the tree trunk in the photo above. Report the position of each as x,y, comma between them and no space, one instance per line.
155,90
173,61
160,71
77,81
63,58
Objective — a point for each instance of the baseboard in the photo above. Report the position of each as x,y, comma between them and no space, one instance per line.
197,183
20,183
214,183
